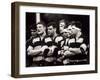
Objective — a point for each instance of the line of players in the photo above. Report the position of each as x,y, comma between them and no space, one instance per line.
48,48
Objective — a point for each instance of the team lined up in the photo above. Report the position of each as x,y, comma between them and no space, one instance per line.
48,48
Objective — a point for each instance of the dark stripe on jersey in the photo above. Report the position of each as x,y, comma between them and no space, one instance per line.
75,45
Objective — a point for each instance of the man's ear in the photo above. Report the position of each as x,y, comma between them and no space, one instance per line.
55,29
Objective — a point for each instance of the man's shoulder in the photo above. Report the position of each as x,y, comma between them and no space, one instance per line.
35,39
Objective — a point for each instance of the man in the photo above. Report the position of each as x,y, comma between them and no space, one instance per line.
62,25
52,30
33,34
37,47
28,43
76,51
51,52
64,47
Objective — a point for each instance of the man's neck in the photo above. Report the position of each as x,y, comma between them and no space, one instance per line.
55,34
42,35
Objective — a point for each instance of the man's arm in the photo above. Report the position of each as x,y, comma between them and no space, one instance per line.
31,51
81,49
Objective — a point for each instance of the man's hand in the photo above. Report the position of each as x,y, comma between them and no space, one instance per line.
68,53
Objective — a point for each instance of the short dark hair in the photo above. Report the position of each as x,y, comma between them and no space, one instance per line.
52,24
41,22
32,27
76,23
65,21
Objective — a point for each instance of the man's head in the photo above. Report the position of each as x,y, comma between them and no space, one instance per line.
51,28
75,27
33,32
40,26
66,33
62,25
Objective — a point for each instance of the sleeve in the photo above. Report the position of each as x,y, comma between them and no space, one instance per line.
58,39
84,45
59,42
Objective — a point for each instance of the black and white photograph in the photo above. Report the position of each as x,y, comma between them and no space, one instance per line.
56,39
52,39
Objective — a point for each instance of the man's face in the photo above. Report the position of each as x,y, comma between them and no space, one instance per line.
67,33
40,29
50,30
73,29
33,32
61,26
